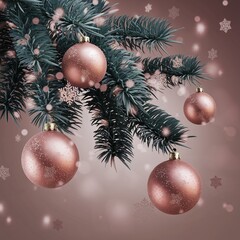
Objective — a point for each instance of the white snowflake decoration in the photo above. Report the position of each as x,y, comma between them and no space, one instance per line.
17,138
212,54
173,12
148,7
4,173
225,25
69,94
177,62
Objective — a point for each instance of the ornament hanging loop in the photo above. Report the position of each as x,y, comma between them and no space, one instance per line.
174,155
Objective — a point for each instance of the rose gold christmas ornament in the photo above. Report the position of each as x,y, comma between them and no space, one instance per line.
174,186
50,159
84,64
200,107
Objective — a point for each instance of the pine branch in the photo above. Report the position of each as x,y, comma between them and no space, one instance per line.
112,136
12,90
12,86
157,128
49,107
68,19
22,4
31,41
102,7
177,69
141,33
124,79
5,40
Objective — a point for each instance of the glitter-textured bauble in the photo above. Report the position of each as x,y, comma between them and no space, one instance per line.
84,65
199,108
50,159
174,187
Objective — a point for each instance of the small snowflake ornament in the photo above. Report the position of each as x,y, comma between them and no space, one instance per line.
174,12
57,224
142,210
4,173
148,7
225,25
212,54
177,62
17,138
216,182
69,94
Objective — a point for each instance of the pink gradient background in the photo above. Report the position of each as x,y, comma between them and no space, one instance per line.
100,203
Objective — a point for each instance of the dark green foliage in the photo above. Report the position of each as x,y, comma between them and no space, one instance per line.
101,8
122,67
122,110
143,32
157,128
112,137
29,38
12,90
191,69
66,117
77,19
5,40
12,86
23,4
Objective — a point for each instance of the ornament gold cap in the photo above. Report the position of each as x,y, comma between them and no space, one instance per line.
199,89
83,38
50,126
174,155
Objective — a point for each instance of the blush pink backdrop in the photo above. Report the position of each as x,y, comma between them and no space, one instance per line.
102,204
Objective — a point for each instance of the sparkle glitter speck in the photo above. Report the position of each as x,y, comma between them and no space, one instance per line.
46,220
103,88
141,148
49,107
200,28
225,3
8,220
182,91
197,19
46,89
95,2
36,51
24,132
1,207
195,47
16,115
130,83
228,207
35,20
200,202
59,76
